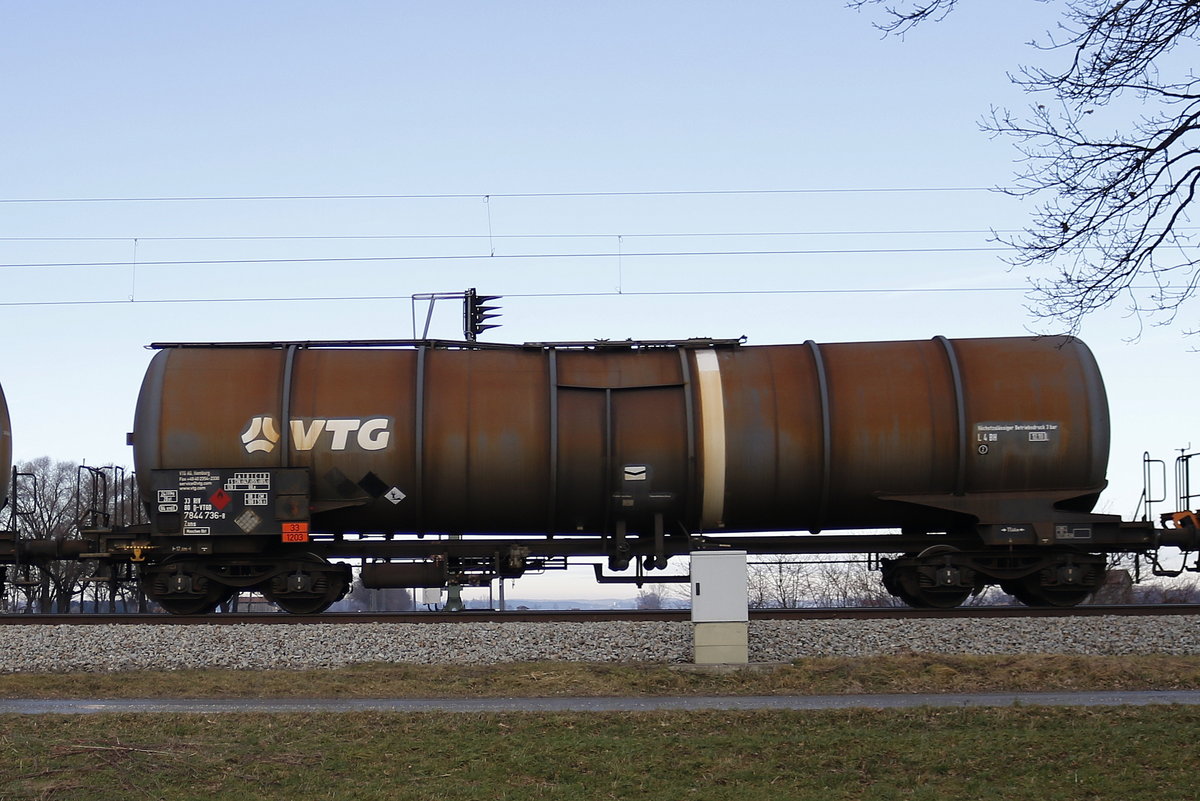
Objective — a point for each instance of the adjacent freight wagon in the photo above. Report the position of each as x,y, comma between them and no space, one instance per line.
5,451
976,461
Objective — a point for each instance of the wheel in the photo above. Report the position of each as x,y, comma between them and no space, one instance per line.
913,594
1018,590
1072,579
1030,592
179,589
195,606
301,606
311,588
904,582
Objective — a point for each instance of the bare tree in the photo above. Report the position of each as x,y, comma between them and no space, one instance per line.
664,595
1115,186
1185,590
647,598
832,581
853,582
779,582
48,511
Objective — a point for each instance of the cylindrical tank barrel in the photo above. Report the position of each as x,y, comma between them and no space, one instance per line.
574,439
5,451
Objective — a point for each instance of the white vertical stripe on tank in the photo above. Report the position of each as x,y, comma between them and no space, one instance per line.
712,438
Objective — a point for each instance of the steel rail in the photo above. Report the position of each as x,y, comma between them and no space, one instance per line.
593,615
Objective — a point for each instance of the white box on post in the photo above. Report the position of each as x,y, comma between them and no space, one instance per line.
720,609
719,587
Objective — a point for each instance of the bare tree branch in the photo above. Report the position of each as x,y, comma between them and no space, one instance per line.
1112,204
899,20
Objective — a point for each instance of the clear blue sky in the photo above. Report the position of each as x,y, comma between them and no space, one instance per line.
224,99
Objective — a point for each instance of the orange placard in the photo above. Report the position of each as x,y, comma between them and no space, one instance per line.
295,532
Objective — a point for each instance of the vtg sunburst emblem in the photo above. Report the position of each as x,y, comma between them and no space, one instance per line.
260,436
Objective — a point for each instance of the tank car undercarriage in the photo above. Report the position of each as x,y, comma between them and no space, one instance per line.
195,575
198,574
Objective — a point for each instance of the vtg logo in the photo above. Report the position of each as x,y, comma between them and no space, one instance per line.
261,435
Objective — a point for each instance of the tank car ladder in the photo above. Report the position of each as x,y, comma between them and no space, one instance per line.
1180,528
106,501
21,575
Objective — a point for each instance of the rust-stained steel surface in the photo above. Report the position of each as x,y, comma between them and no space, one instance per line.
712,436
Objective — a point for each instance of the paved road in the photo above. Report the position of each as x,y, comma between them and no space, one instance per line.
187,706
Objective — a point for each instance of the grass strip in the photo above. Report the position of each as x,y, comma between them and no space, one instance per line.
1012,753
883,674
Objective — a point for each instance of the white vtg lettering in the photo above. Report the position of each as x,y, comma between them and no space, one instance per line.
370,435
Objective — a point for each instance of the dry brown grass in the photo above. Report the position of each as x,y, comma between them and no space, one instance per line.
884,674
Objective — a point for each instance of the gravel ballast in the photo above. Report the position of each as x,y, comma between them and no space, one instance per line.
67,648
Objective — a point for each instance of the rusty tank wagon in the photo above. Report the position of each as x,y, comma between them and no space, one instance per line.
272,466
974,461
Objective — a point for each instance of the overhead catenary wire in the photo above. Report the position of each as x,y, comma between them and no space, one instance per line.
577,235
619,253
533,295
493,195
548,295
504,256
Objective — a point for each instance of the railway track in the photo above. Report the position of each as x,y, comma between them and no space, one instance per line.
589,615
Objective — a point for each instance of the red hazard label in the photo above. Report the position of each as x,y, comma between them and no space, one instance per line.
295,532
220,499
